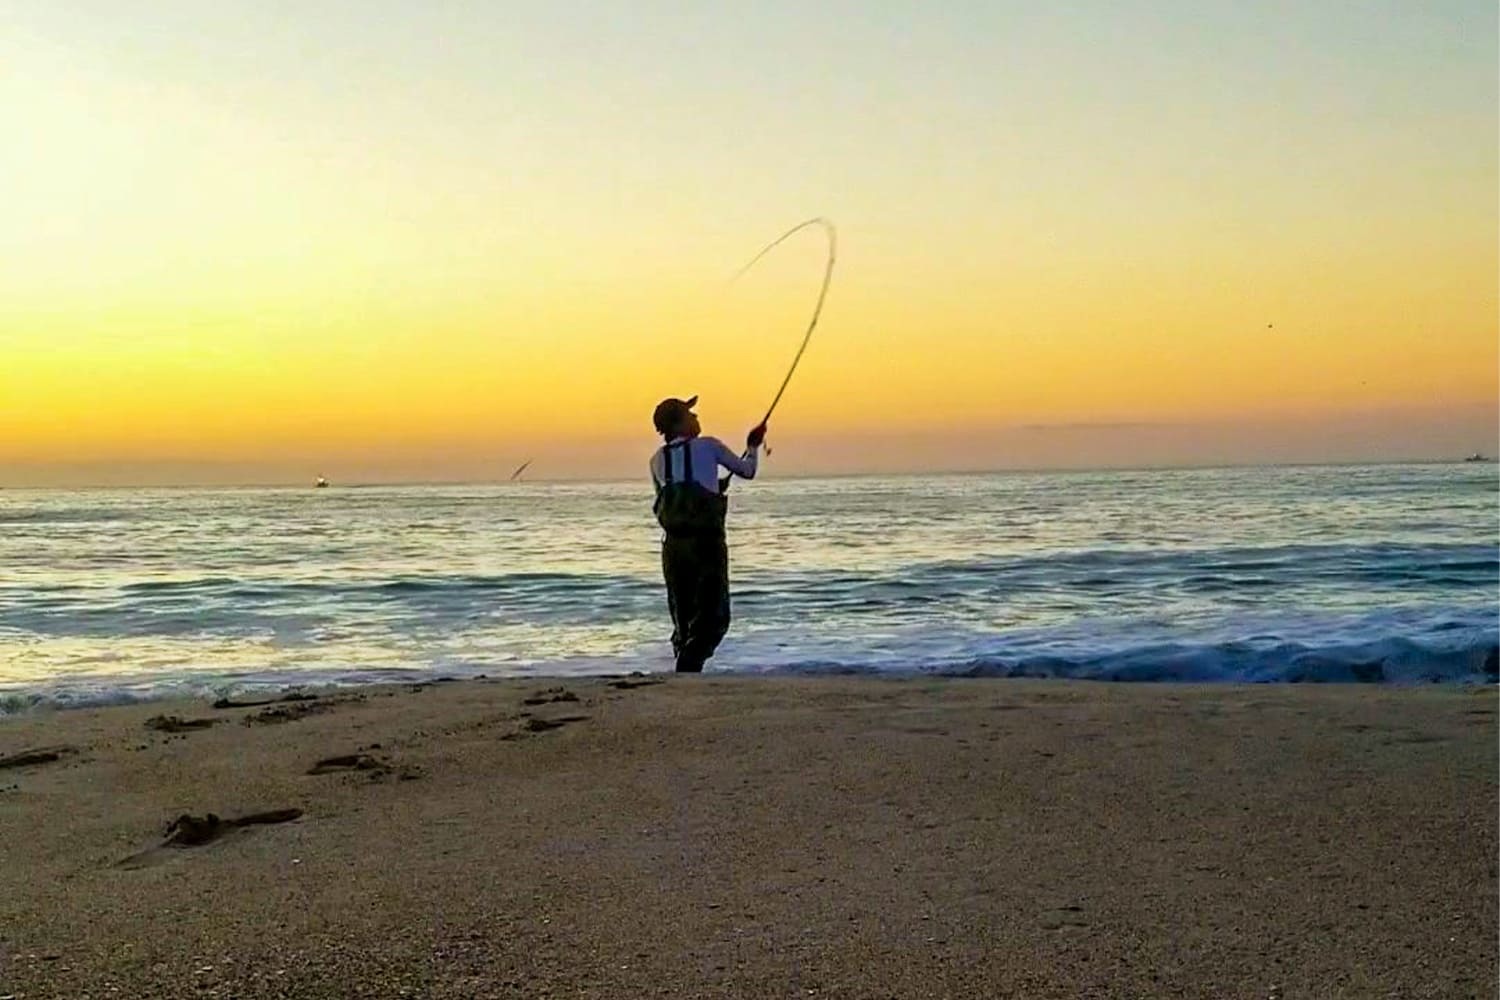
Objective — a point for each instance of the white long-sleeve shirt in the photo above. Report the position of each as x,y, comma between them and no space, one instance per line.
708,455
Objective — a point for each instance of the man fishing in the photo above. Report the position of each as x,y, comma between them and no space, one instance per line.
691,502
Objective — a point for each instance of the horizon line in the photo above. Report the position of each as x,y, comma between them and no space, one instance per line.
796,476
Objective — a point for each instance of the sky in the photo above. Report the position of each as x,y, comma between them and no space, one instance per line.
379,240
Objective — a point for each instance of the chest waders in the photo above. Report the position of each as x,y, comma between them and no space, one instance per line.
683,507
694,561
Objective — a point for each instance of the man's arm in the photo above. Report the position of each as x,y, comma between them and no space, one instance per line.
742,466
658,468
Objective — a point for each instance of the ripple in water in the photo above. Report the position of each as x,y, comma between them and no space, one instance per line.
1380,574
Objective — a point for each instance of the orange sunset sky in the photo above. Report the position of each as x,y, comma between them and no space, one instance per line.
246,242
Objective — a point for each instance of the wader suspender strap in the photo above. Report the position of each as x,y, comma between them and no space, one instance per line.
687,463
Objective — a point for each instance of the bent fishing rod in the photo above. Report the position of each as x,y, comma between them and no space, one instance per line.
812,323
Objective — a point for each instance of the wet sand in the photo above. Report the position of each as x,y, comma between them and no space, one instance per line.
748,837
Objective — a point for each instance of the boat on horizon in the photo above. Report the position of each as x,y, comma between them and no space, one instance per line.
1477,457
321,484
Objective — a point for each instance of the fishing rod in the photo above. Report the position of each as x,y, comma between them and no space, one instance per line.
812,324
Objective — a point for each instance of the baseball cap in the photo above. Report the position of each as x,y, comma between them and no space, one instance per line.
670,412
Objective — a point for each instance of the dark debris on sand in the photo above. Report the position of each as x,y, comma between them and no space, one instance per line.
177,724
376,768
635,681
257,703
188,830
349,762
40,755
546,725
549,696
288,713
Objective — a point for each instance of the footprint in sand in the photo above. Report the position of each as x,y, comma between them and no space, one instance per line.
188,830
40,755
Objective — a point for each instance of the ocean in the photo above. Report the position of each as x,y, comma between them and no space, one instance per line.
1339,574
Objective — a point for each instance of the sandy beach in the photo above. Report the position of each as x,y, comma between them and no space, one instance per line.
750,837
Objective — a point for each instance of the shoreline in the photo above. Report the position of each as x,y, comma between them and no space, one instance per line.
759,836
1476,666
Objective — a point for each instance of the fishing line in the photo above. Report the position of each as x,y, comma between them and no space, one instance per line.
812,324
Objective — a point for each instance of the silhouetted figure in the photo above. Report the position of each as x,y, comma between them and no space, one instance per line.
691,502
